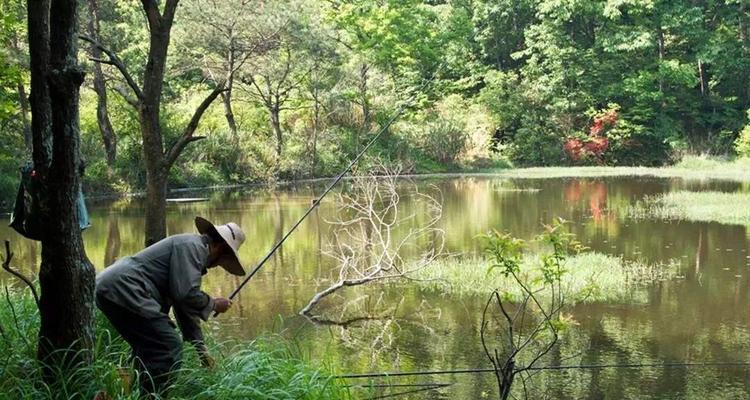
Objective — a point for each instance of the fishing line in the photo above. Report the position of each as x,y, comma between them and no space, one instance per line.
338,178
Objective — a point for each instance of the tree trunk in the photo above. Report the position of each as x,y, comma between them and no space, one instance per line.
66,277
365,105
112,248
276,126
156,206
153,146
660,43
703,74
743,24
38,21
28,138
316,122
227,95
102,115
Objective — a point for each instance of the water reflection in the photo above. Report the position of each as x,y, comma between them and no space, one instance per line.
701,316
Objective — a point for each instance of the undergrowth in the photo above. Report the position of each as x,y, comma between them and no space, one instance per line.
268,368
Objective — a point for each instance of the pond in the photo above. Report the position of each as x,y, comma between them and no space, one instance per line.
699,314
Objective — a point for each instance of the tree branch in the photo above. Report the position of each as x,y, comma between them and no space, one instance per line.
116,61
151,7
126,96
187,134
27,281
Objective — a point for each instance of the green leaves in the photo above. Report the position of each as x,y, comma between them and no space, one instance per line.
505,252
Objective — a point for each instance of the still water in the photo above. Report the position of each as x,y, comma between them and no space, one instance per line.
700,316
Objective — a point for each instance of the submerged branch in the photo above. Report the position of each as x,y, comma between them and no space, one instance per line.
27,281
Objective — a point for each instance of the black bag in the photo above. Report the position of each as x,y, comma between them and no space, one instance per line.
27,218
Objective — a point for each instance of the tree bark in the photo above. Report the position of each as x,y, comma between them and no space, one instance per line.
38,22
703,74
149,116
156,206
363,73
66,277
316,126
660,43
275,112
102,114
28,138
227,95
743,24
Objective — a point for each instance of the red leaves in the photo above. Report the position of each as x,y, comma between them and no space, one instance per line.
596,144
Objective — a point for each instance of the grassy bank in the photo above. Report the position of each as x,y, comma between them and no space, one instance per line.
262,369
590,277
690,168
721,207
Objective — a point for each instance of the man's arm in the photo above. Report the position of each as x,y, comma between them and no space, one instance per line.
186,264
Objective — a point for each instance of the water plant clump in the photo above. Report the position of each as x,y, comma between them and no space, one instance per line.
695,206
589,277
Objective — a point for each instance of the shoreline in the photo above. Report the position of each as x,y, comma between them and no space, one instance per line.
717,173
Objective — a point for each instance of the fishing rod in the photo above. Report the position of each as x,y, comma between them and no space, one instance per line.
338,178
547,367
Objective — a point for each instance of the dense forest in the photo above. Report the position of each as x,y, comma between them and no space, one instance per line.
259,90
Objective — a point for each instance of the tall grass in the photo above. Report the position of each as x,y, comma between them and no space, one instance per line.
268,368
589,277
721,207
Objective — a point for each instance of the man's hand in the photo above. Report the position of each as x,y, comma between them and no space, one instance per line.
221,305
207,361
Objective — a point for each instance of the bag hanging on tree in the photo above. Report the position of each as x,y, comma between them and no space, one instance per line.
26,217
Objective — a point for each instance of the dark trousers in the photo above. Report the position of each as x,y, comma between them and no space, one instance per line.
157,348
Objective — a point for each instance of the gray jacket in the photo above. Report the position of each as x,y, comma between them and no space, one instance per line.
165,274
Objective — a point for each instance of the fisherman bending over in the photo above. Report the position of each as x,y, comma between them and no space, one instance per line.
137,292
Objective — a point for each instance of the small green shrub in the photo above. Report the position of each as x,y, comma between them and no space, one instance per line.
634,145
443,140
742,144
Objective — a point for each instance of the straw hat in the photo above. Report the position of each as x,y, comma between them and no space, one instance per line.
232,235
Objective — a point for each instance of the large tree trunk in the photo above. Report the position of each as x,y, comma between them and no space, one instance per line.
153,146
102,115
156,206
66,276
38,21
28,138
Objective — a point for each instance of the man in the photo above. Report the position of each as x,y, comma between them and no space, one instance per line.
137,292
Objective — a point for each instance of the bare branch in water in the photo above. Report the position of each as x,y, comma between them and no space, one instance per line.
371,235
27,281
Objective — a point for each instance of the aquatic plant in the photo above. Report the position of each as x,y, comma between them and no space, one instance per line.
590,277
721,207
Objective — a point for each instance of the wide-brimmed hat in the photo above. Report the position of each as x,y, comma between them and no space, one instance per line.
232,235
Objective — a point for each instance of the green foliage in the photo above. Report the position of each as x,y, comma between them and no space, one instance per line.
513,81
505,251
742,144
262,369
